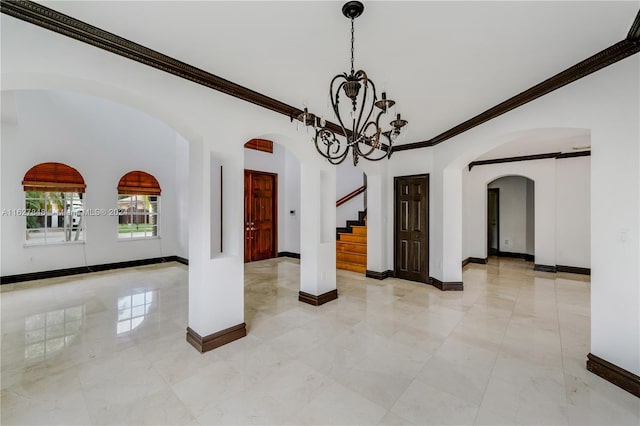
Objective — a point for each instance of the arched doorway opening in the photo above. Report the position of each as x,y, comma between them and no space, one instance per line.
511,217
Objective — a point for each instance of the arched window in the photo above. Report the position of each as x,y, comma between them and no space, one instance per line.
53,204
138,205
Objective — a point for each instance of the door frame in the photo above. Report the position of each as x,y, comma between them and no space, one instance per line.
497,249
275,209
395,221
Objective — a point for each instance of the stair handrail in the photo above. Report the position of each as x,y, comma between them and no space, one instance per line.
351,195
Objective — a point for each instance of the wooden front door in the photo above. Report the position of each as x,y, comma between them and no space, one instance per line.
412,227
260,215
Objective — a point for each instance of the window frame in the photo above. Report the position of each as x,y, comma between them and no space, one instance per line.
137,213
73,231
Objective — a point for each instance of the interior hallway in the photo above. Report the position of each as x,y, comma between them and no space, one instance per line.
109,348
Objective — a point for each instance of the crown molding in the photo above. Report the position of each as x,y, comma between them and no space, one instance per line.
602,59
554,155
60,23
52,20
634,31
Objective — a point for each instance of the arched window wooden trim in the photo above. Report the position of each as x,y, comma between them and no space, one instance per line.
53,177
138,182
260,145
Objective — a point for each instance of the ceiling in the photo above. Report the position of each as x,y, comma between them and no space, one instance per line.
443,62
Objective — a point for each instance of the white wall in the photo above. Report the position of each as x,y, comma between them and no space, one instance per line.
513,213
292,203
573,207
103,140
286,166
182,197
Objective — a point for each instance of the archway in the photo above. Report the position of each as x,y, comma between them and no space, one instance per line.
511,217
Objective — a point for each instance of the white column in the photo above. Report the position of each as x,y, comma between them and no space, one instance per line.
376,234
451,226
317,229
216,278
615,223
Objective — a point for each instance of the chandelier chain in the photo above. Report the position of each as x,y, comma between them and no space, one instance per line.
352,38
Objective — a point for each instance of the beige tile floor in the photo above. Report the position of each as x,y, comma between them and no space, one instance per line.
109,348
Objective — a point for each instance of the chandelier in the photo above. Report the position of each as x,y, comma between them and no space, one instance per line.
359,116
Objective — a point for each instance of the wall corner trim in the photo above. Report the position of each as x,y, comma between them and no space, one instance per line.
612,373
544,268
573,270
215,340
314,300
446,286
182,260
289,254
478,260
379,275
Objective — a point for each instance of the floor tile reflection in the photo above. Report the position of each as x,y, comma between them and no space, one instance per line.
109,348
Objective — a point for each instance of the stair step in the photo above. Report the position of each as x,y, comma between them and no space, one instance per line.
351,267
351,247
354,238
356,258
359,230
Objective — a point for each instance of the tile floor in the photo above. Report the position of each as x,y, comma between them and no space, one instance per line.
109,348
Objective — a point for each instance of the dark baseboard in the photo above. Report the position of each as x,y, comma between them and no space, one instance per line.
544,268
536,267
379,275
12,279
614,374
215,340
289,254
182,260
479,260
318,300
525,256
573,270
446,286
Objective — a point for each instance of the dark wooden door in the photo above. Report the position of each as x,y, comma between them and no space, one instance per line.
493,221
260,215
412,227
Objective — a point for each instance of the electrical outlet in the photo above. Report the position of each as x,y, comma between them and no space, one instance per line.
506,242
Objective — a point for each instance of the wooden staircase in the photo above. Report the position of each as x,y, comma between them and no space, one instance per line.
351,245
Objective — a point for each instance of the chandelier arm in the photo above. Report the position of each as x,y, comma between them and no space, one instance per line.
374,139
334,140
357,129
369,157
338,160
364,99
387,134
334,102
375,145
